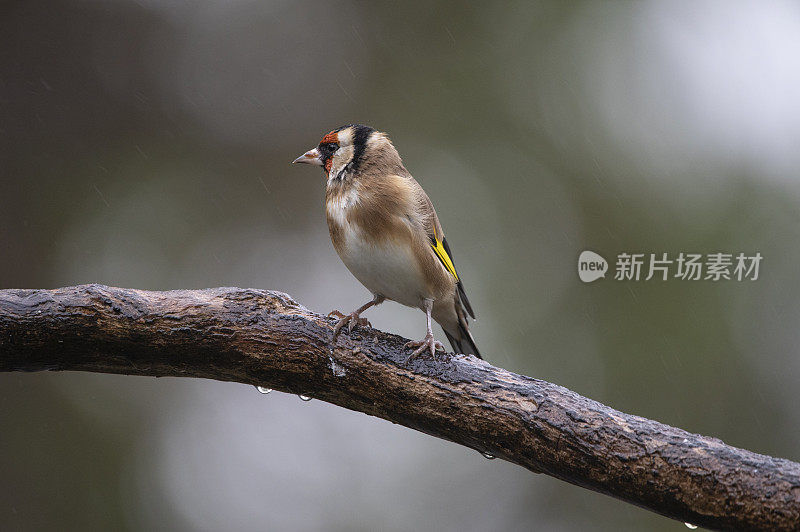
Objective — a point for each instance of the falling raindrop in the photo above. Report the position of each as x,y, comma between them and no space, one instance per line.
690,526
263,390
304,397
488,456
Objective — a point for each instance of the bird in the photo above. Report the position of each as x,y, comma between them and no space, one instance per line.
384,228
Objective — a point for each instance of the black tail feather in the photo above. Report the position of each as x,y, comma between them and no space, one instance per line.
465,345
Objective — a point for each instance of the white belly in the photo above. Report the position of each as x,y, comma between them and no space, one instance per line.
388,269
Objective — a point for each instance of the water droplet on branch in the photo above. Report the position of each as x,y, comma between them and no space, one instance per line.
263,390
488,456
337,369
304,397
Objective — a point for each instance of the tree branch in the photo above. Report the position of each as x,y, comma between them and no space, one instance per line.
265,338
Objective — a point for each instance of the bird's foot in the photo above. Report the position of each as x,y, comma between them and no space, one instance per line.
429,343
351,320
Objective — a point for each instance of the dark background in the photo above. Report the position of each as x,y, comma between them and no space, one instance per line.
147,144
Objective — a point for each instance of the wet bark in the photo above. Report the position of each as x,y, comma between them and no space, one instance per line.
265,338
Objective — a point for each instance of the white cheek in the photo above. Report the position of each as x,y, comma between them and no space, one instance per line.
341,157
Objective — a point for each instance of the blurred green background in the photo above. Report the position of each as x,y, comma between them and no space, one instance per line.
146,143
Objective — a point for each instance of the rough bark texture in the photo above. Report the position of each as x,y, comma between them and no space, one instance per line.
265,338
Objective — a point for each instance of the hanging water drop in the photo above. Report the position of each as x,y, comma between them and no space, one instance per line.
304,397
263,390
690,526
488,456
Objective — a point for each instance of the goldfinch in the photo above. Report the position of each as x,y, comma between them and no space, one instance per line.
384,228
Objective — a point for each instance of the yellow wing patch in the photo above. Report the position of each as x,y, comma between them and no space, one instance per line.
438,248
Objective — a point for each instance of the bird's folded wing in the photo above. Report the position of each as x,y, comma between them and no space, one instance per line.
442,250
461,293
443,254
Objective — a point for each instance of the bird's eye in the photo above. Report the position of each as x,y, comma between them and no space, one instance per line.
333,147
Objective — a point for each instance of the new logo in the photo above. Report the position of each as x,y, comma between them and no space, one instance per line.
591,266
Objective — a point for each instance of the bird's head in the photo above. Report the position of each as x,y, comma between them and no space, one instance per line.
348,149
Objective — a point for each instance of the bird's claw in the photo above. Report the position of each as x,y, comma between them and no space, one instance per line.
426,344
351,320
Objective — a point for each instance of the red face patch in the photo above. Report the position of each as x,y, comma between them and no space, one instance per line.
328,164
333,136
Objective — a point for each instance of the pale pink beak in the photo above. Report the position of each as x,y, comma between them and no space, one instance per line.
310,157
